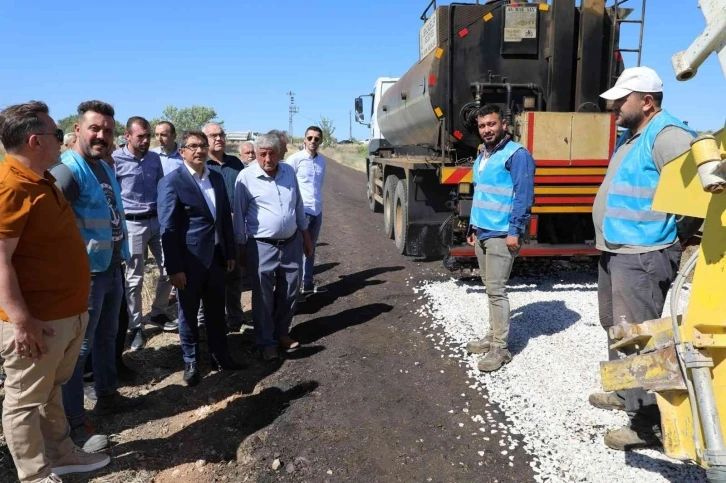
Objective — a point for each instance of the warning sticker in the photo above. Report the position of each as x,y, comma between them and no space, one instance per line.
520,23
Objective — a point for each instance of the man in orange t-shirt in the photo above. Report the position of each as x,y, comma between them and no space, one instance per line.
44,285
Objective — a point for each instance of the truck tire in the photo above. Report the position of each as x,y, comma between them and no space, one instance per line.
373,205
400,217
389,192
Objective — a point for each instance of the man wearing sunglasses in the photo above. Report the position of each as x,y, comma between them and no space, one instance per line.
309,166
44,286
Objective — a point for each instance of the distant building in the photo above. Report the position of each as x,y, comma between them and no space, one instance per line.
240,136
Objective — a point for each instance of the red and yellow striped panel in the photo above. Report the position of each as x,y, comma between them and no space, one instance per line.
456,175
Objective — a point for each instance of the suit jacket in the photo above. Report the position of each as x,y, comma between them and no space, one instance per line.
187,224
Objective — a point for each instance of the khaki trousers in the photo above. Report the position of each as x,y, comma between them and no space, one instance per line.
34,422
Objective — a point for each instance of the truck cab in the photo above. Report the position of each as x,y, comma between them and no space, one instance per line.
376,137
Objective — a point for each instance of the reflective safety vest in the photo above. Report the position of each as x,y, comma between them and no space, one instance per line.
93,215
629,218
493,190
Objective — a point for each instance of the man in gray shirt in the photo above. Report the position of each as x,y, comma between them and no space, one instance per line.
641,250
138,172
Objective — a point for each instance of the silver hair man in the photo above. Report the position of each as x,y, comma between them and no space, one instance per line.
69,140
268,141
283,139
247,152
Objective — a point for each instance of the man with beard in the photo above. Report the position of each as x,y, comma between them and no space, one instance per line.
88,183
229,167
309,166
196,225
503,198
138,172
272,234
640,247
168,151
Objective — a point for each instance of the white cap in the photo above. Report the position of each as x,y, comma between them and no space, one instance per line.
634,79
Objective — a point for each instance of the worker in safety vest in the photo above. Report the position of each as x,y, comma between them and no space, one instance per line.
640,247
503,197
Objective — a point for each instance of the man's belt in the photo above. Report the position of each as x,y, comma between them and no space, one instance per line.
276,242
140,216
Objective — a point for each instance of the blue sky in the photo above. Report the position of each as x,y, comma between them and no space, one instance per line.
241,57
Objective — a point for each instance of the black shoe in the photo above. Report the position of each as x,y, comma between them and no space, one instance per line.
138,341
311,289
123,372
160,319
191,374
227,364
115,404
171,326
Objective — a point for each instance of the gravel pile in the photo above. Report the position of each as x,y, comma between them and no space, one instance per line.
557,343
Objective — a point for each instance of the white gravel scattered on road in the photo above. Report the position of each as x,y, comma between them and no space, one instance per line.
557,343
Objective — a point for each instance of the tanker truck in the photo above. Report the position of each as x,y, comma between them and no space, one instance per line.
545,65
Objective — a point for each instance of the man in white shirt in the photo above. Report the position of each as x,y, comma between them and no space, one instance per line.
309,166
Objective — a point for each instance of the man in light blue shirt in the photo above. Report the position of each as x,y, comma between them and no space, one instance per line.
168,151
309,166
138,172
268,214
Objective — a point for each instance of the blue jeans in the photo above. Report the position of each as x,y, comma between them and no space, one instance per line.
104,303
314,224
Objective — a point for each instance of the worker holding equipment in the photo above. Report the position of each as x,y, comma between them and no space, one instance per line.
640,247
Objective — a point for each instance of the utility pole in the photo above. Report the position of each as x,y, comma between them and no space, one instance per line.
350,125
292,110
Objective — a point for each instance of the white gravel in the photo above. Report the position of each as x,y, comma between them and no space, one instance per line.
557,343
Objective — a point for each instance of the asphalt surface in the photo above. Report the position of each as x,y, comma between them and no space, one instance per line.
380,402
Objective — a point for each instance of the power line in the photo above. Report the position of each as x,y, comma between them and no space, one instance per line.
292,111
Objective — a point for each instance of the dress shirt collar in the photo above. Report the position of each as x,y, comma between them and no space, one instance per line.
195,175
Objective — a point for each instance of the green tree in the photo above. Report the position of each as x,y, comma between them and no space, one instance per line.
328,130
187,118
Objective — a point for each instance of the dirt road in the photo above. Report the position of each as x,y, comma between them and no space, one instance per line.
368,398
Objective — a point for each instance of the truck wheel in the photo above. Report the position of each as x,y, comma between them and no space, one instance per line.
374,206
389,192
400,216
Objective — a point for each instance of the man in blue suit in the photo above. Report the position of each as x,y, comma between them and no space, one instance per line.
198,243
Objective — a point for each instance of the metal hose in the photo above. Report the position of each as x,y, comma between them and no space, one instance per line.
675,296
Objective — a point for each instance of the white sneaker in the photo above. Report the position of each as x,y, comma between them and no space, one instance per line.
51,478
78,461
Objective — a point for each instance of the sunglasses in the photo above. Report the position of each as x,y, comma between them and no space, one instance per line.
313,138
58,134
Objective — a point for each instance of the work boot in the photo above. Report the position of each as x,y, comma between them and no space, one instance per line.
479,346
638,434
606,400
84,436
494,359
116,403
78,461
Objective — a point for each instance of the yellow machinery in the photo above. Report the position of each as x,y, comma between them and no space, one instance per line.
682,358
